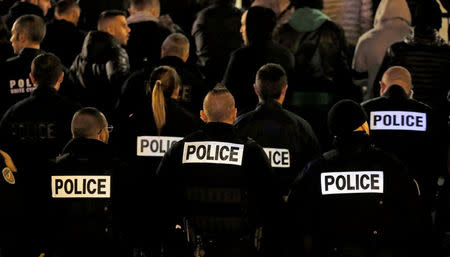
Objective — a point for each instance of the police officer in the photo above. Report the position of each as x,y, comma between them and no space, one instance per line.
221,183
34,131
404,126
15,84
144,137
81,186
288,140
354,200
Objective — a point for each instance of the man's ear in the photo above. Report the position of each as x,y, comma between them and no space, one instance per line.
203,116
234,114
32,78
256,90
382,88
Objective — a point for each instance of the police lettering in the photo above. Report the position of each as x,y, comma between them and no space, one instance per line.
279,158
352,182
213,152
20,86
397,120
81,186
34,131
155,146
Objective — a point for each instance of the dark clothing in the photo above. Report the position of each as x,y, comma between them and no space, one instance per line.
78,224
144,44
99,71
6,51
15,81
321,61
135,92
245,62
34,131
64,40
427,57
333,204
216,33
271,126
224,200
143,149
20,8
413,140
193,87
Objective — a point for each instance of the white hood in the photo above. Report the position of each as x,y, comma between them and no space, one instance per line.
391,9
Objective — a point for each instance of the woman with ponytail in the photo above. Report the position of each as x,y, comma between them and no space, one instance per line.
144,138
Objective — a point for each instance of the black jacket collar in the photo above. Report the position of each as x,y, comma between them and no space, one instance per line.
395,92
44,91
219,129
269,105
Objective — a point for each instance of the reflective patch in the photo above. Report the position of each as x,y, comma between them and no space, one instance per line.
213,152
397,120
8,176
279,158
355,182
81,186
154,146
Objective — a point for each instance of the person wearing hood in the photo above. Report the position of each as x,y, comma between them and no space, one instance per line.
392,23
257,27
19,8
354,200
102,66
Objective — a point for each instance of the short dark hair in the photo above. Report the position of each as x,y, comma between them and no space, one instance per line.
46,69
107,15
218,104
32,26
270,81
87,127
260,23
427,14
315,4
64,6
142,4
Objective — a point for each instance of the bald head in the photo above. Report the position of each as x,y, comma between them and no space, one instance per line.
396,75
176,44
90,123
218,106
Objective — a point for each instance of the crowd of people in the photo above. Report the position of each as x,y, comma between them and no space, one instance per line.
283,128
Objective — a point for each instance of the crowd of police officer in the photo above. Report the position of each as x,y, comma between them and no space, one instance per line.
172,184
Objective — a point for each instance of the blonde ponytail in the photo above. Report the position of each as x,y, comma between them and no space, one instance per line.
158,106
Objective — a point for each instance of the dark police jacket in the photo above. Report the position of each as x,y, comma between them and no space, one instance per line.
34,131
223,183
354,199
20,8
142,148
15,82
81,194
406,128
99,71
288,139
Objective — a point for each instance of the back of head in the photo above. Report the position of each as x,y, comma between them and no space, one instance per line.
32,26
87,123
345,117
142,5
165,81
397,75
427,15
271,79
315,4
106,17
260,23
46,69
65,7
176,44
218,105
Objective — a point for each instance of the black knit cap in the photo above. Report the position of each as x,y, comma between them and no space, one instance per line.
344,117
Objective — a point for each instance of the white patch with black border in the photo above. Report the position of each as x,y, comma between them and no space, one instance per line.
81,186
213,152
279,158
155,146
354,182
398,120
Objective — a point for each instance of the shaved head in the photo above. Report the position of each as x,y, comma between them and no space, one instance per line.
88,123
218,105
397,75
176,44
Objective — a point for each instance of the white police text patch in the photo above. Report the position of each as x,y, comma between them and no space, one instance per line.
154,146
213,152
279,158
81,186
355,182
397,120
